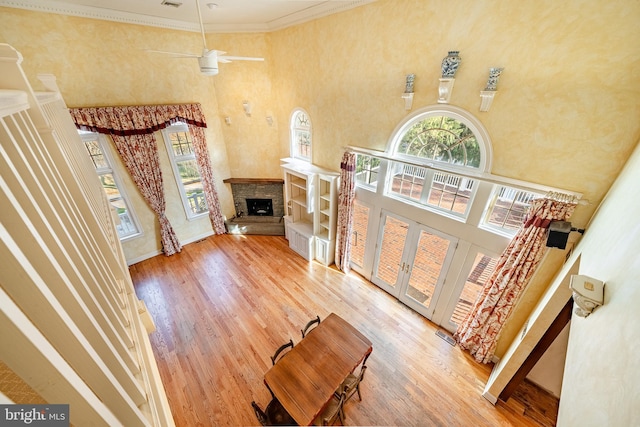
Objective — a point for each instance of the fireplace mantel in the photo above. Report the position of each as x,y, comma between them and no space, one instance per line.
259,181
245,192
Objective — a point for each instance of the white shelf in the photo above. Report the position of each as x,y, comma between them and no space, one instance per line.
301,200
311,194
300,183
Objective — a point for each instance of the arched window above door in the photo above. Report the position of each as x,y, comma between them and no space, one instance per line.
432,153
442,135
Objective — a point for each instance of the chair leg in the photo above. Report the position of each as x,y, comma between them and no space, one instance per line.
358,390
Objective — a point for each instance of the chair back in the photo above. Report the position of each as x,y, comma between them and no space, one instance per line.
308,326
260,415
328,418
352,383
273,415
280,349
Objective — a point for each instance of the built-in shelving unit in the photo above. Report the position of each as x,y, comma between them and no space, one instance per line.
311,210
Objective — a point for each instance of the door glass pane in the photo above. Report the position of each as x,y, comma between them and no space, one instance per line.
359,237
483,267
390,251
427,266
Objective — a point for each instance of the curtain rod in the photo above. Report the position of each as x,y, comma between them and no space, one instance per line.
488,177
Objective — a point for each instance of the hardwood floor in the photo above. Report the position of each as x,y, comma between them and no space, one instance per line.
223,305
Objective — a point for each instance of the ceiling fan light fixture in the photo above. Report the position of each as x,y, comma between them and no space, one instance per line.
208,65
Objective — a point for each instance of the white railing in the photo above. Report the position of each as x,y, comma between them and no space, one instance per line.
197,203
70,320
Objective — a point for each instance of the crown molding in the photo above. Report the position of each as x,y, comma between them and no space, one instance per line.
323,9
99,13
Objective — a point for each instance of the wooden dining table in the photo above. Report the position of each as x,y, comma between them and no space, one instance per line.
306,377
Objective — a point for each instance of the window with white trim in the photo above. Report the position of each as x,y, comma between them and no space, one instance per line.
96,146
438,138
185,169
300,135
367,170
507,208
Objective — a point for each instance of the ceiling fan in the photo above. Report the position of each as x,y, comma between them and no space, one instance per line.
209,59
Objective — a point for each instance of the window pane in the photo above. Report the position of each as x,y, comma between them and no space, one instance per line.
303,144
126,226
109,185
408,181
443,191
443,139
192,184
451,192
95,147
301,135
509,207
181,143
483,267
367,169
95,152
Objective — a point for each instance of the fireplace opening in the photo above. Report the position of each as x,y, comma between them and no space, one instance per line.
260,207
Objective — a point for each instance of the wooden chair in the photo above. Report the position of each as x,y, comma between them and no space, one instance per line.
280,349
334,409
273,415
311,324
352,382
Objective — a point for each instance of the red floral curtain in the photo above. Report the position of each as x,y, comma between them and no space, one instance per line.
346,196
479,331
125,124
208,183
140,155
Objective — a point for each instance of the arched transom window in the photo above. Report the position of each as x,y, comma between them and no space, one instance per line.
433,150
443,139
444,135
300,135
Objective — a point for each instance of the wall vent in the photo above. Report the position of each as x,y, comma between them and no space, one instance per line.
171,3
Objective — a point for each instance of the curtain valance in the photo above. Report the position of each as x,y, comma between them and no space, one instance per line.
136,120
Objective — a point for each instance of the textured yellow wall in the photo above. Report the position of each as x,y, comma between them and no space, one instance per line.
565,115
601,384
100,63
566,110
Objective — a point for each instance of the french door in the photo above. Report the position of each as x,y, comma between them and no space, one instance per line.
412,261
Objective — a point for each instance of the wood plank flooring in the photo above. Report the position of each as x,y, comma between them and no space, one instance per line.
223,305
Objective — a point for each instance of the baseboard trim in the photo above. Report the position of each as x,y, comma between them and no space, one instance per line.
490,397
194,239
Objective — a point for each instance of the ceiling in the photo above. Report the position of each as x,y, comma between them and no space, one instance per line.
217,15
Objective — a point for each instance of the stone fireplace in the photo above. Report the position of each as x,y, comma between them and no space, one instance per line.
259,204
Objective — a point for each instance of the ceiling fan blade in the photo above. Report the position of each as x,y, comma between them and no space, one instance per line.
211,52
238,58
177,54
